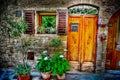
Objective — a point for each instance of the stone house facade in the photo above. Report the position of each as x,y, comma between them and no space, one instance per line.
58,8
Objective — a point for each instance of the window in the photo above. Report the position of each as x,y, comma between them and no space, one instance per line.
83,9
47,23
74,27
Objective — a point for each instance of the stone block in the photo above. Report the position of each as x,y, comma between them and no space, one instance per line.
74,65
87,67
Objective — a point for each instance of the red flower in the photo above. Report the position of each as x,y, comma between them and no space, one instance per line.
102,37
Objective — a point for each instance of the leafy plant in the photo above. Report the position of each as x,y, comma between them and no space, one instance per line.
56,42
44,64
59,64
83,11
23,69
49,22
26,43
41,29
17,28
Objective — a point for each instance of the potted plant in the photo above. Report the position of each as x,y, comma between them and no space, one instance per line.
59,65
44,66
41,29
15,31
23,70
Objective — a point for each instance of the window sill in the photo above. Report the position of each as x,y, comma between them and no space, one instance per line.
45,34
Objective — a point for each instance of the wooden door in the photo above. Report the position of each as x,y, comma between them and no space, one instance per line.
82,38
113,45
73,37
89,38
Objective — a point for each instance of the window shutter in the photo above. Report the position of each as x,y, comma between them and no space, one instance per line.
30,19
40,20
62,21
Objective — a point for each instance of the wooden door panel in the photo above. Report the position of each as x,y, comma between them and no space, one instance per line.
108,59
89,38
117,61
73,38
73,47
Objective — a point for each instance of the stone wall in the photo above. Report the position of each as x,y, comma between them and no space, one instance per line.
7,48
13,54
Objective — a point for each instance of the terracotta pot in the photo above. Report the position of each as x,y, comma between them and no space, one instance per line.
61,77
22,77
46,75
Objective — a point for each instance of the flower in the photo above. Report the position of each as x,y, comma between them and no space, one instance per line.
102,37
61,56
65,50
44,52
46,58
44,64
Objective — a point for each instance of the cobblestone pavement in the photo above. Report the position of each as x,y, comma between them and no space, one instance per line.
92,77
10,75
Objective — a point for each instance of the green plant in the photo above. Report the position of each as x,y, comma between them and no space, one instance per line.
83,11
59,64
26,43
56,42
41,29
17,28
23,69
49,21
44,64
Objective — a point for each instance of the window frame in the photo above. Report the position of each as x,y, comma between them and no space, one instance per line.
39,22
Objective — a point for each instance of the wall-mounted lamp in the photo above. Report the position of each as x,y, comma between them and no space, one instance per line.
18,13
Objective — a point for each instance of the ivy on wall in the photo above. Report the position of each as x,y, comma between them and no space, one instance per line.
83,11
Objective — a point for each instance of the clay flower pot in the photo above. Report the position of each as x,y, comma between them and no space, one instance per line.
46,75
22,77
61,77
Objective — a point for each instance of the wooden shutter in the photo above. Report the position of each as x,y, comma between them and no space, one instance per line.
30,18
62,21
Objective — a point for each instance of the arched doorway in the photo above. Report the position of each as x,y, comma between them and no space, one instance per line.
113,45
82,30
